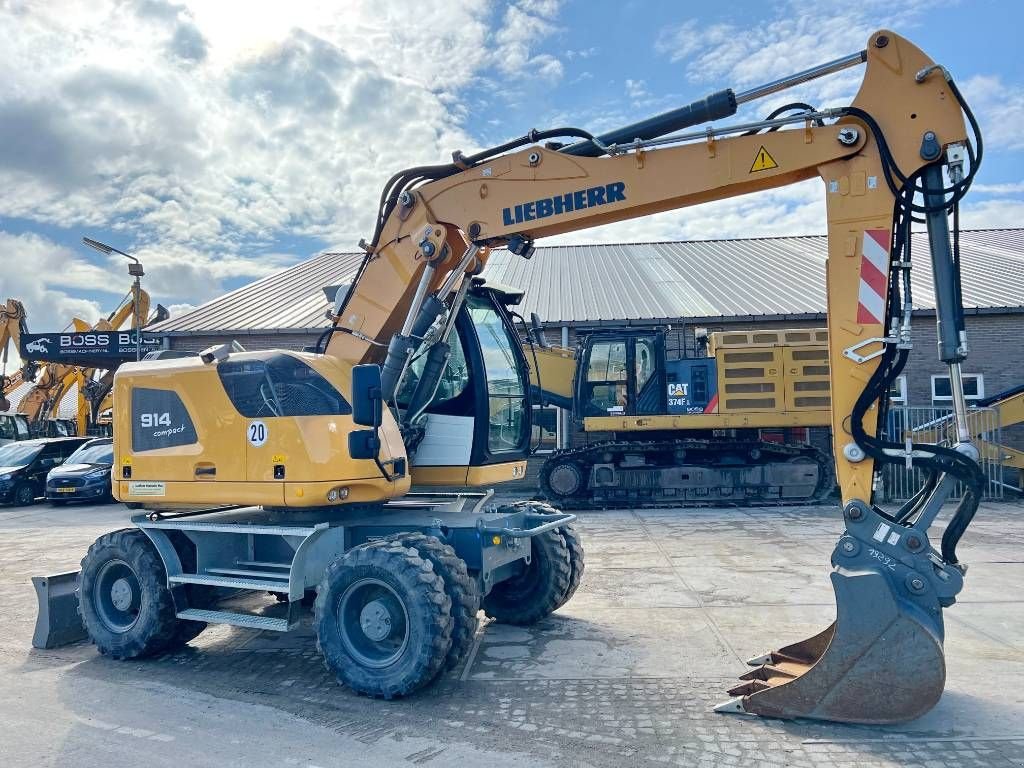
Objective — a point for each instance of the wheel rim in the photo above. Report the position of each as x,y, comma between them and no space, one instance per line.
374,623
25,495
117,596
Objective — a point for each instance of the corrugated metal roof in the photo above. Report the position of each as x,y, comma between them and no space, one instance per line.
779,276
288,300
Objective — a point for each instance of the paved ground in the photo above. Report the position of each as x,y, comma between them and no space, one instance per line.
625,674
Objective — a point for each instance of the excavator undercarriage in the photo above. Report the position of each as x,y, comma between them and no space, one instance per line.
713,471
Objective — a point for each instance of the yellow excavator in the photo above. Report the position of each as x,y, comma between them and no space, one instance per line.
59,374
290,472
13,324
688,430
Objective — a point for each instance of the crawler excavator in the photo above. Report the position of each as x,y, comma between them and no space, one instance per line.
686,430
289,472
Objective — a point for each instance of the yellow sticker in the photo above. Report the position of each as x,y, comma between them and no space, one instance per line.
277,458
764,161
127,461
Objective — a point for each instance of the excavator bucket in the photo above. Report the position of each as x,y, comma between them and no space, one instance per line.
881,661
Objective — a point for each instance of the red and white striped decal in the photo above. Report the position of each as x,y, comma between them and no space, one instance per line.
874,277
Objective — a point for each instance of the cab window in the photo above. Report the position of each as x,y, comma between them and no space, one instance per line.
607,376
454,378
280,385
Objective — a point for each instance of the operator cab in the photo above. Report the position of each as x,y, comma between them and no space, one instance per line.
627,373
479,417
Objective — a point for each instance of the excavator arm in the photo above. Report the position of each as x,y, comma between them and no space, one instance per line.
900,149
13,323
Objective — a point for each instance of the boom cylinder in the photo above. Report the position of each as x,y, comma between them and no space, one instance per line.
713,107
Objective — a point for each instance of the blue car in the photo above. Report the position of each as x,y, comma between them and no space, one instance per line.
85,476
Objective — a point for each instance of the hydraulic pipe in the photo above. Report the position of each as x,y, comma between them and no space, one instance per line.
717,105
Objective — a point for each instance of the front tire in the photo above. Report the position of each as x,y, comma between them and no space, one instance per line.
383,620
24,495
123,597
539,590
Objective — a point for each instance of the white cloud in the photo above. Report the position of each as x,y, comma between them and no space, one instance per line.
1001,213
525,24
795,210
41,274
999,108
791,37
998,189
202,139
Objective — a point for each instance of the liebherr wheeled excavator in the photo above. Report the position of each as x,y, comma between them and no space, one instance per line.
421,378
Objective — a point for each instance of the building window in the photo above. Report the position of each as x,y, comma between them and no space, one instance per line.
898,390
545,428
974,388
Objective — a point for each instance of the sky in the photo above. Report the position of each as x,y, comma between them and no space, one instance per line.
222,141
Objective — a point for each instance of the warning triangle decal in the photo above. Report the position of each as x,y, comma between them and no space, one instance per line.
763,161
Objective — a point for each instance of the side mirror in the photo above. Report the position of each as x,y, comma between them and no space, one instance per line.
367,403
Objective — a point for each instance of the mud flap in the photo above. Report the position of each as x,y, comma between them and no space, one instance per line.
58,622
881,661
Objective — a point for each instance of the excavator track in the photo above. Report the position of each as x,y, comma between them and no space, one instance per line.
686,472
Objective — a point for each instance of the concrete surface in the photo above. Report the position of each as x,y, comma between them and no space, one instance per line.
672,603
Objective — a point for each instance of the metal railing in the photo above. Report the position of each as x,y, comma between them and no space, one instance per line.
934,424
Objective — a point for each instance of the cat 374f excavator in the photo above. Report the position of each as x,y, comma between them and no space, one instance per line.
422,379
686,430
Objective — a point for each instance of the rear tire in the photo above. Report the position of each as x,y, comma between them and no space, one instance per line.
539,590
576,561
123,597
383,621
458,585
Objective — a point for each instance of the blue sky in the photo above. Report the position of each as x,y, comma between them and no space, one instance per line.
223,141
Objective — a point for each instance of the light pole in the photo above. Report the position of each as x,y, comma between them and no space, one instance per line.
135,270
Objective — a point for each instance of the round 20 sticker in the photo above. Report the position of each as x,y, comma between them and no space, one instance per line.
257,433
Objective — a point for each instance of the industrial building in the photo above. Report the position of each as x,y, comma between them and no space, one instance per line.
717,284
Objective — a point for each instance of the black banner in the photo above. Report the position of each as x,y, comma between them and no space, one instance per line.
90,349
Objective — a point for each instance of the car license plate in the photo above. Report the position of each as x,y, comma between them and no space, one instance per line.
65,490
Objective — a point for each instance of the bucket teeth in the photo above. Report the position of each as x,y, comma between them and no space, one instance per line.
732,707
757,661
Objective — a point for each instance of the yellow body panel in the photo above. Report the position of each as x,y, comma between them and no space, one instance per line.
470,476
312,449
556,366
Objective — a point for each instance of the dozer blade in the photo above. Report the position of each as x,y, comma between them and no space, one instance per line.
880,662
57,622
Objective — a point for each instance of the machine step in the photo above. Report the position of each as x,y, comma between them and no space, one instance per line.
250,573
236,619
260,585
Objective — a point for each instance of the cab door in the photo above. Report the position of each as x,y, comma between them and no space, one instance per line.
647,382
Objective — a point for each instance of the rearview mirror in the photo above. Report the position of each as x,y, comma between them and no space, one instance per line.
367,404
363,444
